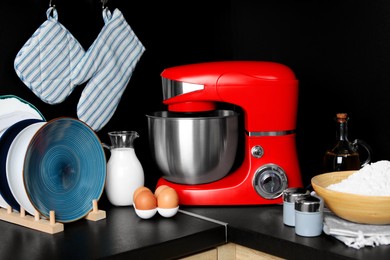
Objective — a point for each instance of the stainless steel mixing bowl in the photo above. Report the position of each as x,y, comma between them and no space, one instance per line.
193,148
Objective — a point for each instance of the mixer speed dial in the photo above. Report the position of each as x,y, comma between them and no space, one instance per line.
270,181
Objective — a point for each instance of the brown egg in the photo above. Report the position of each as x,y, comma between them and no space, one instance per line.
168,198
145,200
159,189
138,190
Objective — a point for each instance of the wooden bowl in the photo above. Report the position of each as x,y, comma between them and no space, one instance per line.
356,208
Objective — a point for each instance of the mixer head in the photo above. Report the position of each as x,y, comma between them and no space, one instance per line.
266,91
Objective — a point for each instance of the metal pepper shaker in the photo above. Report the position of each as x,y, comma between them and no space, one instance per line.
290,195
309,216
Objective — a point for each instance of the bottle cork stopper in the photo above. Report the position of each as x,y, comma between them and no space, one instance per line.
342,117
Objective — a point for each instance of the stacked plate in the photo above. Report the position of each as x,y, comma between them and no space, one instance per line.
5,143
57,165
15,115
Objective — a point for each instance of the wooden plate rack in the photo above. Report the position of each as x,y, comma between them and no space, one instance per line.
41,224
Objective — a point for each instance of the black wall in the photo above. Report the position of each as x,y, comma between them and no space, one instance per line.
339,50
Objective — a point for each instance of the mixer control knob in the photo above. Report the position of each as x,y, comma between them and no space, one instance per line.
270,181
257,151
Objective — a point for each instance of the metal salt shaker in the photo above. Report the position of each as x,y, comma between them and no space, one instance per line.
309,216
290,195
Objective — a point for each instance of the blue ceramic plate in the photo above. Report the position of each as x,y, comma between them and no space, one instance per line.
64,169
5,143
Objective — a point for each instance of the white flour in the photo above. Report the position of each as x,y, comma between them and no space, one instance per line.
373,179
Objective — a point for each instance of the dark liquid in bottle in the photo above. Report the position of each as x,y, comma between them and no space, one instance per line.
341,162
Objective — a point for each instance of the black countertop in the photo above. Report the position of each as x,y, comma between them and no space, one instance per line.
193,229
262,228
121,235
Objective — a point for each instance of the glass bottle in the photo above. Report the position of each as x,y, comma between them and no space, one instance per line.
344,156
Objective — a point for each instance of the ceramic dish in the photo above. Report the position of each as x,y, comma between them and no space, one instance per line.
14,109
64,169
145,214
5,142
3,203
167,213
14,165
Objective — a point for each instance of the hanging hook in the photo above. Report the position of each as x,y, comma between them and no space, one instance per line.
104,2
52,6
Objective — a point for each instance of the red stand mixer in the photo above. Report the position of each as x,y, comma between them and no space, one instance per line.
267,93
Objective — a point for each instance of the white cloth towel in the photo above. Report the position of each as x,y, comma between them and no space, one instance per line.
355,235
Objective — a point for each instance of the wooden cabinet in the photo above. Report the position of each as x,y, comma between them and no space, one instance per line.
231,251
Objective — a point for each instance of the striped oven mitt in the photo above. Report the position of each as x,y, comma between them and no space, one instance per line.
109,64
46,60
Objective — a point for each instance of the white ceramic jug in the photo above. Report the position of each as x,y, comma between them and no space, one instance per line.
124,171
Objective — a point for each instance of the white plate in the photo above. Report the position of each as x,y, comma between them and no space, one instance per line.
3,203
14,109
15,162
